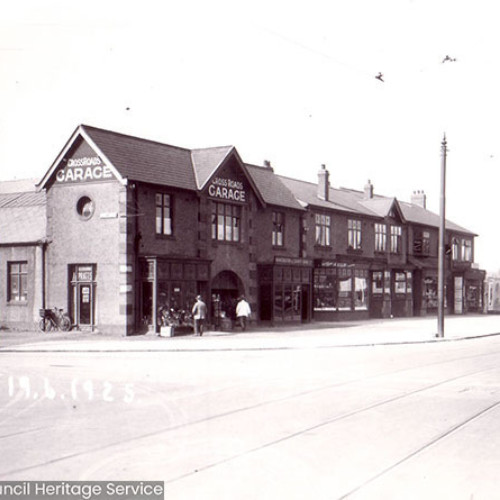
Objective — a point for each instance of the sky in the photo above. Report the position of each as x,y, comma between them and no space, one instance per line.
290,82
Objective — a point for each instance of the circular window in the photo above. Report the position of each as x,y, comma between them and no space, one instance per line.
85,207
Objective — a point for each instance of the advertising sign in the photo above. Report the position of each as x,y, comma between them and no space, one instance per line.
85,169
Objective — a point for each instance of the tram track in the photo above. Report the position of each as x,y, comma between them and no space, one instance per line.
443,435
221,415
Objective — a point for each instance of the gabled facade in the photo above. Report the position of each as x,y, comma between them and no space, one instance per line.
377,257
122,229
136,227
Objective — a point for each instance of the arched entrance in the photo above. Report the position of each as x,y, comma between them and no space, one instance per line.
226,287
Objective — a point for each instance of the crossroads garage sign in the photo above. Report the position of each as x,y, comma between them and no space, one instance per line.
84,169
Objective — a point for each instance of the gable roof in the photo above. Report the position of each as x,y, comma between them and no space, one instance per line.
420,215
354,202
206,161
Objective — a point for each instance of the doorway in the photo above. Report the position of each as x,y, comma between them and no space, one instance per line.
83,303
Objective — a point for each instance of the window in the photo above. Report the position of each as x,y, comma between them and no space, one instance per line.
85,207
18,281
395,239
354,234
455,250
422,243
380,237
467,250
163,214
278,229
226,222
377,282
399,282
322,230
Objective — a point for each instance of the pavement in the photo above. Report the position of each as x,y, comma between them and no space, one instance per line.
312,335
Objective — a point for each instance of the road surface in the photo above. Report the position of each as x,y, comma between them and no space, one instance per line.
379,422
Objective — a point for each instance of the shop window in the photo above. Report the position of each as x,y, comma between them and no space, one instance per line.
325,289
377,283
467,250
360,292
396,239
380,237
354,234
278,229
226,222
17,281
163,214
344,290
400,283
322,229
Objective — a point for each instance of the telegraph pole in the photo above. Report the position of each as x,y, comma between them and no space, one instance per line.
442,228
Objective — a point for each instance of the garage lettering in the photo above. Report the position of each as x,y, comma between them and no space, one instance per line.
227,189
84,169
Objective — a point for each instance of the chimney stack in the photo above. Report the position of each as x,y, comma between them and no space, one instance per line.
267,164
419,198
323,183
368,190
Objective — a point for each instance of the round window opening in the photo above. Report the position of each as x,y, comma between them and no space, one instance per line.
85,207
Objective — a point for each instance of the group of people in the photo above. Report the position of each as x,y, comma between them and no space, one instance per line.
199,311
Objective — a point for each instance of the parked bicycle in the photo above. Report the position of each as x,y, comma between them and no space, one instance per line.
54,319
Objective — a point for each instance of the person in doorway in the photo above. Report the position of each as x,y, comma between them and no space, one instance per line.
199,312
243,312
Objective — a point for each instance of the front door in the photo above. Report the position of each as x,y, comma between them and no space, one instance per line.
85,304
83,296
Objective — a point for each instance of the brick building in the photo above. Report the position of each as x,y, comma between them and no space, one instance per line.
121,228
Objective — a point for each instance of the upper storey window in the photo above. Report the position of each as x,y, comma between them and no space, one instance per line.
380,237
163,214
226,222
396,239
322,230
354,233
278,229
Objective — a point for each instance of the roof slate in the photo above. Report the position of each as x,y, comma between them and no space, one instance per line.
272,189
143,160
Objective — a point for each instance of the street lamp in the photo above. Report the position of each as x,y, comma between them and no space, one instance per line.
442,229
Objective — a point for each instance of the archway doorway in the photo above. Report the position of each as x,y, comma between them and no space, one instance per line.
226,287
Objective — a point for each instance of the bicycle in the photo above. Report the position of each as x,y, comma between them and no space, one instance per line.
54,319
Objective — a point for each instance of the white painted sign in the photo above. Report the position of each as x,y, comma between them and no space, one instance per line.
86,169
227,189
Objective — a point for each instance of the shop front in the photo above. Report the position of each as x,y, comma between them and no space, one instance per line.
340,289
285,290
168,290
474,290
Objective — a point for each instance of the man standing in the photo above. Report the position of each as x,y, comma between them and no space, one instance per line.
199,314
243,312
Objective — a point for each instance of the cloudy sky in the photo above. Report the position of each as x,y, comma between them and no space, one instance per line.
291,82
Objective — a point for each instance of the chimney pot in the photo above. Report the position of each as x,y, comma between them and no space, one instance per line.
419,198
